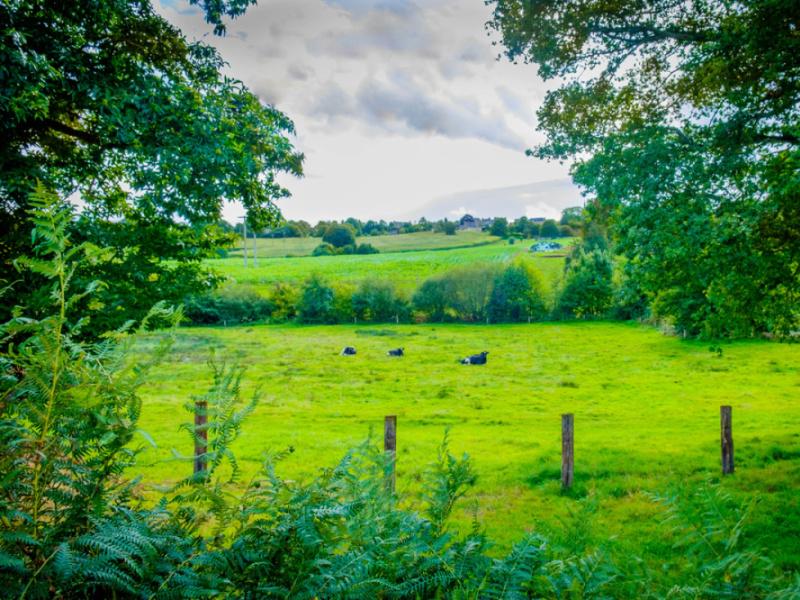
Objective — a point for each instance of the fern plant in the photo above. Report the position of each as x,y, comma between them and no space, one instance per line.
69,412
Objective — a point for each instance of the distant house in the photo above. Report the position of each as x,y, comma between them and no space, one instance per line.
469,222
539,220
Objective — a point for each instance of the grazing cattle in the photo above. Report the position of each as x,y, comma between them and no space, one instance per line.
475,359
395,352
348,351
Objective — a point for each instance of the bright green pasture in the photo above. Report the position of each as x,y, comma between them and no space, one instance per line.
423,240
407,269
646,416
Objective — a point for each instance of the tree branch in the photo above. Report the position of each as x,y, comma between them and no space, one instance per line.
79,134
648,35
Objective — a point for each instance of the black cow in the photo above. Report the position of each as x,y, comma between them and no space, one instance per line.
395,352
475,359
348,351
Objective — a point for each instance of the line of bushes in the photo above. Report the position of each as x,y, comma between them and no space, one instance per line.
590,288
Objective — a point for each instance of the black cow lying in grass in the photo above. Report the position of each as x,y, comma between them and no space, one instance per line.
475,359
348,351
395,352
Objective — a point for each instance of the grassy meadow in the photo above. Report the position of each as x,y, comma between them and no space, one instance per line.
646,411
406,259
403,242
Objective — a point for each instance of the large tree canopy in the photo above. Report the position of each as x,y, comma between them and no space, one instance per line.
106,102
683,122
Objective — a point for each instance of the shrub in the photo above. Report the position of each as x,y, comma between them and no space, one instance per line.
316,302
367,249
338,235
518,294
284,298
342,308
469,289
378,301
463,292
323,250
431,298
449,227
588,289
228,306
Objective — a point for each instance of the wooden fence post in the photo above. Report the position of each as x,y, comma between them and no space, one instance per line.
726,438
390,448
567,450
200,435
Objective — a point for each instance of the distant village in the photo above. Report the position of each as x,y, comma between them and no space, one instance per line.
523,227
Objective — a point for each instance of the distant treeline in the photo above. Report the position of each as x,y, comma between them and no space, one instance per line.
477,293
523,227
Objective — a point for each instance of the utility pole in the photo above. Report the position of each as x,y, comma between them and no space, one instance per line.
255,256
244,239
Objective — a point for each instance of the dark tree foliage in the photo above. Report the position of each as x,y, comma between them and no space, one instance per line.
588,288
316,303
106,100
377,300
517,295
499,227
683,119
339,236
549,229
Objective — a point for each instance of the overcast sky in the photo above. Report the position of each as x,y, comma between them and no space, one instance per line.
396,102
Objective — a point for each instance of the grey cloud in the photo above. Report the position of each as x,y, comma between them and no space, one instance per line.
395,29
299,72
475,51
364,6
268,91
521,107
399,105
332,102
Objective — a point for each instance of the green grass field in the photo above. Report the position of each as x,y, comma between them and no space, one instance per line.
646,417
289,247
407,260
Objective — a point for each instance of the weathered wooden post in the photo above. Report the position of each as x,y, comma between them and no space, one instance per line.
567,450
200,435
726,438
390,448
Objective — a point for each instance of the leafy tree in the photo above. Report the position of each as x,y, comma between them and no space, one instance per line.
549,229
357,226
284,298
449,227
499,227
588,289
107,100
517,295
339,236
227,306
686,134
521,227
572,216
316,302
432,298
377,300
